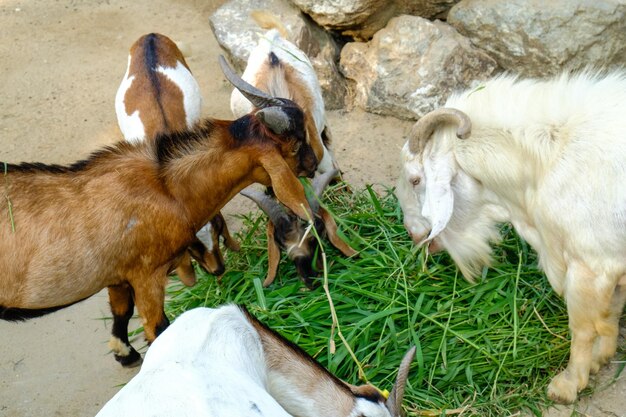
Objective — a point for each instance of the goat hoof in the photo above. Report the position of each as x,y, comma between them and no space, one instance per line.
131,360
562,390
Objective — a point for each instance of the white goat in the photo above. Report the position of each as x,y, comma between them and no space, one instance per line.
550,157
224,362
278,67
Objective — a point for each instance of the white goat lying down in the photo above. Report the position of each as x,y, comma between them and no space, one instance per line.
550,157
225,363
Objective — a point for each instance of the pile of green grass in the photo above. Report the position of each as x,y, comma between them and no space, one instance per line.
487,349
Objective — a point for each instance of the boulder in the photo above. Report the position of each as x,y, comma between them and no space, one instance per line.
238,34
410,67
360,19
539,38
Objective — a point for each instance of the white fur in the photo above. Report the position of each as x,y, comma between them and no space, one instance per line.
288,54
192,98
130,124
211,363
550,157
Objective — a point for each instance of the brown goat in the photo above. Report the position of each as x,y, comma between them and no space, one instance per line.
157,96
288,233
123,218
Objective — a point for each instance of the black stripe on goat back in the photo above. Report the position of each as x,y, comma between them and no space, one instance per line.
173,145
151,61
274,61
23,314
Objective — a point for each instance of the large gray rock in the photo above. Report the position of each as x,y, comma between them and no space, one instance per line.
538,37
411,67
362,18
238,34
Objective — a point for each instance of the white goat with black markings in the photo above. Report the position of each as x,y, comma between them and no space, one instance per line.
224,362
550,157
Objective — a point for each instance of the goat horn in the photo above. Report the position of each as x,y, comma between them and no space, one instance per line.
274,118
394,402
269,205
425,126
257,97
319,183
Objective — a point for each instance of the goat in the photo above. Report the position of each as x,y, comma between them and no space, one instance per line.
281,69
224,362
550,157
285,231
159,95
123,218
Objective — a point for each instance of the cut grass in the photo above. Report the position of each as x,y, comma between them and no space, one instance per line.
487,349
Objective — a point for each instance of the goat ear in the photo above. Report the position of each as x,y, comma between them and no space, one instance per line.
439,170
273,255
331,230
286,186
314,138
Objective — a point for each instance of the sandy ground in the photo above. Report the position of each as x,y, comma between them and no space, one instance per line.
60,65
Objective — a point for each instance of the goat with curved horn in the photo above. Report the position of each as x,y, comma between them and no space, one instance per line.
286,232
425,126
394,402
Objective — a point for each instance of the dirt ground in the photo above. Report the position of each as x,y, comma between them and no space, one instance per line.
60,65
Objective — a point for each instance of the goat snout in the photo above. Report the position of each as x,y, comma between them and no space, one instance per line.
434,245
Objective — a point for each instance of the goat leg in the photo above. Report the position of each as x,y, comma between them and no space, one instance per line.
185,270
122,306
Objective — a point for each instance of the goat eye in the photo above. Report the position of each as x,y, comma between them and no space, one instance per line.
415,181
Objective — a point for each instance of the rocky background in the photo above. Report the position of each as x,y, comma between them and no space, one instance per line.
403,58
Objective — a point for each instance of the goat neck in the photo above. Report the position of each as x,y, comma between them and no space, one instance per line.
299,384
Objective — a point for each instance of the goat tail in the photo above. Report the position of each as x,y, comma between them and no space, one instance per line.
268,21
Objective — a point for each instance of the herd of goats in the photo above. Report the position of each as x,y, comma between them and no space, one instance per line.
548,156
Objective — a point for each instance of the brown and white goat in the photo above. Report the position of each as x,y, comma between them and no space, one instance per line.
286,232
157,96
123,218
224,362
279,68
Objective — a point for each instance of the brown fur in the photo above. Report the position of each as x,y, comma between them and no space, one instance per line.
308,377
126,215
160,105
151,87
